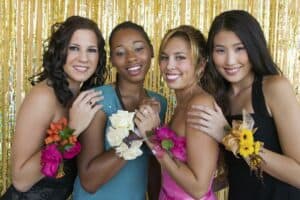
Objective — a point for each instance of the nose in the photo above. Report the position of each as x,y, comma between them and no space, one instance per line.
230,58
83,57
131,56
171,64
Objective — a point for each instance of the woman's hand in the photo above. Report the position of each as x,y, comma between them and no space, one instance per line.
207,120
83,110
151,102
146,119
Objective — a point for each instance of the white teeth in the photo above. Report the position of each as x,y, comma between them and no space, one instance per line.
134,68
172,76
232,70
80,68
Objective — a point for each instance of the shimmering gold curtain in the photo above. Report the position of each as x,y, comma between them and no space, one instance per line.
24,25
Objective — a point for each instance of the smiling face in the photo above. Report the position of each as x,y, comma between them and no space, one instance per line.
82,56
230,57
130,54
176,64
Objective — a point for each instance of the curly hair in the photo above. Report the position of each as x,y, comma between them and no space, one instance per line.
55,55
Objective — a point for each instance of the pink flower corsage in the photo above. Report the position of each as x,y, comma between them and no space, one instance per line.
166,139
60,144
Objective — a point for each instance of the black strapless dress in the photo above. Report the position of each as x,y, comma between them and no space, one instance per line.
47,188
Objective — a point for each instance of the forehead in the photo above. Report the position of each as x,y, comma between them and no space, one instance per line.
226,37
127,36
176,44
84,36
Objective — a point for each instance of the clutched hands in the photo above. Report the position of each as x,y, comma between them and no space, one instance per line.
208,120
84,109
147,116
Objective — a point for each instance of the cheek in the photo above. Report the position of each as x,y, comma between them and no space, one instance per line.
218,60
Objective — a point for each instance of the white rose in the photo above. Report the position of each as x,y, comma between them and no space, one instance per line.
130,153
122,148
115,136
122,119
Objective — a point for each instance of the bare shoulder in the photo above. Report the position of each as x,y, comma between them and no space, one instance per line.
40,99
41,93
276,82
202,98
275,86
278,92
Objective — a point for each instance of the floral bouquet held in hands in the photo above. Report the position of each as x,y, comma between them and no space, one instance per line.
59,144
121,135
240,141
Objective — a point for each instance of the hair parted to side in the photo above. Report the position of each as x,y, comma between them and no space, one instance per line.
193,36
248,30
133,26
197,43
55,55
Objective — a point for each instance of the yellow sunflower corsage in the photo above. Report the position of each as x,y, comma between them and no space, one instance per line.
240,141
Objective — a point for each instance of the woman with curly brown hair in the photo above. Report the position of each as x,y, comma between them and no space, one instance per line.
73,62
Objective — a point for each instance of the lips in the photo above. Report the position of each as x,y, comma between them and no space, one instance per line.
232,71
80,68
172,77
134,70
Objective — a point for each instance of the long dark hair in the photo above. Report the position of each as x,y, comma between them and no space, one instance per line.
55,54
247,28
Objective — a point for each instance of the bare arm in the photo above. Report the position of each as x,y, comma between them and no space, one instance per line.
34,117
38,110
94,161
281,99
194,176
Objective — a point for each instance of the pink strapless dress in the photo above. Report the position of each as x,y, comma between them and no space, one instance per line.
171,191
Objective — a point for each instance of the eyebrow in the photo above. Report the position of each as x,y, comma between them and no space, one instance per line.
134,42
176,53
235,44
75,44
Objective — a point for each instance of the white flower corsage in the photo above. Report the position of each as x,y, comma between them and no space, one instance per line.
121,136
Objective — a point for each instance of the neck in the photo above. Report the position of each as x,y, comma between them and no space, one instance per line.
243,85
129,89
183,95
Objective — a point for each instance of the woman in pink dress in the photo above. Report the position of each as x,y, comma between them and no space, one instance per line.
188,167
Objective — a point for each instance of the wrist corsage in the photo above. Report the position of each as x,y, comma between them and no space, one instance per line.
121,136
166,140
240,141
59,144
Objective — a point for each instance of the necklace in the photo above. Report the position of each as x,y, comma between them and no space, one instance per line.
242,90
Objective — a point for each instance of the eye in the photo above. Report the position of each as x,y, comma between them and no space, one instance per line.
219,50
92,50
139,49
119,53
73,48
163,57
240,48
180,57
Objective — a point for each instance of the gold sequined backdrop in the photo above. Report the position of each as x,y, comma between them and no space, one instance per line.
25,24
